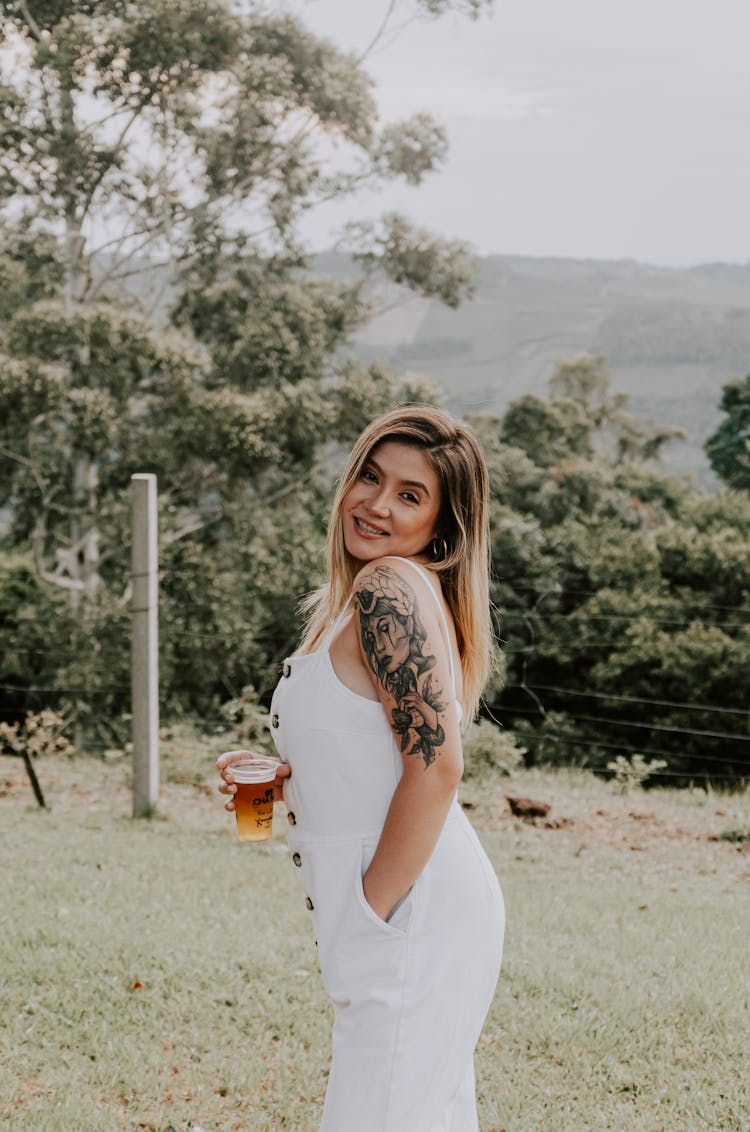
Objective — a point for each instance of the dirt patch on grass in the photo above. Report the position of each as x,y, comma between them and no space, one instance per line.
683,830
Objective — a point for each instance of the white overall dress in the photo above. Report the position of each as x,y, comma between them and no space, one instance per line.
411,994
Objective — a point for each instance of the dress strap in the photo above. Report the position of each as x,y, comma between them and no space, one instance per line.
425,575
334,626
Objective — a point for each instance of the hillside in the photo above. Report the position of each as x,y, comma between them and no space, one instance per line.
673,336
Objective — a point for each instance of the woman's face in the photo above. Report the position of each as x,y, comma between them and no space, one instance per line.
391,640
394,505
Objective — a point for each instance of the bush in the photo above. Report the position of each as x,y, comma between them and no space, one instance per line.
34,639
41,733
488,747
634,771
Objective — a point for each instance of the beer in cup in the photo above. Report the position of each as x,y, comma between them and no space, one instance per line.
253,802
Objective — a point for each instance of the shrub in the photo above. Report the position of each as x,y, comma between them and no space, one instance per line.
488,747
633,771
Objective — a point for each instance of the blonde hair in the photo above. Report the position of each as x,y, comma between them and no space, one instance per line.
463,564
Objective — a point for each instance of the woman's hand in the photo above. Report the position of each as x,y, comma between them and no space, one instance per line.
224,764
419,707
382,904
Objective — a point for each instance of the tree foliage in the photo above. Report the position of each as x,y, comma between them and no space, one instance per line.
624,594
159,313
728,448
582,417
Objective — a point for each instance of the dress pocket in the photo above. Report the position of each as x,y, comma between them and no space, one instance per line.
397,924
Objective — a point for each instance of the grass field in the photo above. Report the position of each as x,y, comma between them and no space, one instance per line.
160,975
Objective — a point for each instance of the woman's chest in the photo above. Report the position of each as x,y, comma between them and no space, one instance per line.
310,700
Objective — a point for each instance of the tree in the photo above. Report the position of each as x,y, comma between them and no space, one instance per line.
728,448
583,418
623,594
160,313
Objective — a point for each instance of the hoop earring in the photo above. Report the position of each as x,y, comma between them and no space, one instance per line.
439,549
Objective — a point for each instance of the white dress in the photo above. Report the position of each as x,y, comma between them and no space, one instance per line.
411,994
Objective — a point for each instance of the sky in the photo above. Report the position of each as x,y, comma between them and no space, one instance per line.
599,129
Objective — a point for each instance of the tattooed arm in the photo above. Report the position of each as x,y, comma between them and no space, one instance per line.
406,654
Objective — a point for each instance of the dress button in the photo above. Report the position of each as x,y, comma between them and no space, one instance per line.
291,818
287,669
297,859
309,904
274,720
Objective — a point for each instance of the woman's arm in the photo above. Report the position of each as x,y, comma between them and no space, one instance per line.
406,654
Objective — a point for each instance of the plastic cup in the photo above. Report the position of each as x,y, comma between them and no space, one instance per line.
253,802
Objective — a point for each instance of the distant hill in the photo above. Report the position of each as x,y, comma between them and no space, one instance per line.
673,336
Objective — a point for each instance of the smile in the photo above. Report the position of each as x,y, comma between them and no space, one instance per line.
367,528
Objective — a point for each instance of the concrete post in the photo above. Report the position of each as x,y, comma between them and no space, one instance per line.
145,647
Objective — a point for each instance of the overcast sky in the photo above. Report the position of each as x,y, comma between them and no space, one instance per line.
596,128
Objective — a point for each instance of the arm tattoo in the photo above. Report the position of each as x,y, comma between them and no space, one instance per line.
393,640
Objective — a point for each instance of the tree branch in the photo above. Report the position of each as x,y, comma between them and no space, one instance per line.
15,456
38,536
34,28
116,113
98,180
119,240
408,297
152,265
380,32
114,273
191,528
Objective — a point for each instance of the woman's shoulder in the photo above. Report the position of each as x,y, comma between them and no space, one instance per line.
409,591
400,582
405,567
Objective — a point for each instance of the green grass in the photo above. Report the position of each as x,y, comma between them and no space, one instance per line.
622,1005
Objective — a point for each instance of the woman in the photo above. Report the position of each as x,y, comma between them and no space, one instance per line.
407,911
